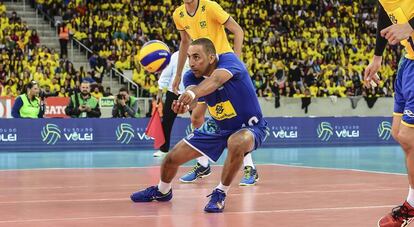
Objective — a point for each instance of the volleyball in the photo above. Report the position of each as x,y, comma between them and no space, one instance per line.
154,56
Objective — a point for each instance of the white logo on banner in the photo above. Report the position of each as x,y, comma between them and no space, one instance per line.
8,135
55,110
78,134
285,132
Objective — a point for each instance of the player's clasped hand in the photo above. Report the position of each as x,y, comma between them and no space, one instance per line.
186,98
179,107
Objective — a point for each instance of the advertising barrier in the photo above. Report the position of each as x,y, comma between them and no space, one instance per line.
119,134
55,107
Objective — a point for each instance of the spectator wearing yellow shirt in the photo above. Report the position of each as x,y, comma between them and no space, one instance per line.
97,93
44,80
54,86
341,89
298,94
12,86
2,7
7,92
63,93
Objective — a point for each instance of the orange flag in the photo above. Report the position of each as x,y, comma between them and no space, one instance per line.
154,129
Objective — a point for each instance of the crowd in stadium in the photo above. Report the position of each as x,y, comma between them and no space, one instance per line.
301,48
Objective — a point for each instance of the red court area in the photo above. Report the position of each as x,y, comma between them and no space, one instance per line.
284,196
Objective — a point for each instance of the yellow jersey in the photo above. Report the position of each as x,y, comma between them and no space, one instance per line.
400,12
207,22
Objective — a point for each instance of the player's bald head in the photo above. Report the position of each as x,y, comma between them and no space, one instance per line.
207,45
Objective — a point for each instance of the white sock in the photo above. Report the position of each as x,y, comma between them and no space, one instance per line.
203,160
248,161
224,188
410,197
163,187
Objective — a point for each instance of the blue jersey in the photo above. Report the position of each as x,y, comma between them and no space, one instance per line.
235,104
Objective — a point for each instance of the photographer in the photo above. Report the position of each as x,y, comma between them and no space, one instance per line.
83,105
125,105
28,104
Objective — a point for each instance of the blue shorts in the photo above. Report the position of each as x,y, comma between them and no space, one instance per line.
213,141
404,92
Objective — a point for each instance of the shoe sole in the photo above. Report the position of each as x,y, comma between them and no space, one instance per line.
244,184
153,200
184,181
214,212
159,156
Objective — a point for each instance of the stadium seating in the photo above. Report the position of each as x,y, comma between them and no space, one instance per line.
302,48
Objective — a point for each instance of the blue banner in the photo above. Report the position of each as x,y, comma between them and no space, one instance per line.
118,134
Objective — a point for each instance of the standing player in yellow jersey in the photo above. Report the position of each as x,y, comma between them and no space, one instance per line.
396,25
206,19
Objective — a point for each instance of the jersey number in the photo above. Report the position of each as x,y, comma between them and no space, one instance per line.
252,121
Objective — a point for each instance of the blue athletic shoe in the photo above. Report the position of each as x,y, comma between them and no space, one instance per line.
250,176
198,171
216,203
150,194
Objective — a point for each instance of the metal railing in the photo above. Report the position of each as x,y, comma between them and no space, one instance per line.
131,83
112,73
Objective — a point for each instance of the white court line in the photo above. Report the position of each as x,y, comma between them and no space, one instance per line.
107,186
197,195
332,168
150,167
79,168
74,187
225,213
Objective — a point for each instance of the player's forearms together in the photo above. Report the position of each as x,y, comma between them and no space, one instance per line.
208,86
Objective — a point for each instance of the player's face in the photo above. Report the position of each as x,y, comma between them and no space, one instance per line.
198,60
188,1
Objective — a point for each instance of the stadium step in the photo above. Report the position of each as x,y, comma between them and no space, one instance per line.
38,25
18,6
85,65
26,14
48,38
46,33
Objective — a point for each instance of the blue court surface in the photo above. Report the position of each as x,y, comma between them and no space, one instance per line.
374,158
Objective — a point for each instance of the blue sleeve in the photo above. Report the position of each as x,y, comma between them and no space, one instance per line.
232,64
18,103
190,79
201,99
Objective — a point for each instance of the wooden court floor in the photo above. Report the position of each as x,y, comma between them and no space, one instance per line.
285,196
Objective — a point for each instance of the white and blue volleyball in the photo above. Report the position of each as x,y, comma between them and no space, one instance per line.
154,56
